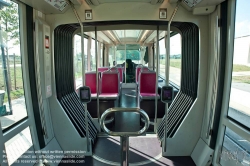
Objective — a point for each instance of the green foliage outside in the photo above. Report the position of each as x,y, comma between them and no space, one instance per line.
10,23
15,93
239,68
10,33
242,79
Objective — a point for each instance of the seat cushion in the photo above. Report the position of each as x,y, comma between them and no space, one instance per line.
93,95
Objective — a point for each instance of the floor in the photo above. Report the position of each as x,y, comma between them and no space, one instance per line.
143,150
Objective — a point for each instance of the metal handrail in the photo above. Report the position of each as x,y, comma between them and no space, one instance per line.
116,109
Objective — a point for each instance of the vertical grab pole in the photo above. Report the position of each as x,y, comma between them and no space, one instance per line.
125,63
83,83
97,76
167,72
124,150
83,69
157,75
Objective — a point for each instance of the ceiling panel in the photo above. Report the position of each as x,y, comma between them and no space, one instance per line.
128,33
43,6
204,3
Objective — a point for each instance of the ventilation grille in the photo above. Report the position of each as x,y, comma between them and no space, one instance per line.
89,2
160,1
59,5
191,3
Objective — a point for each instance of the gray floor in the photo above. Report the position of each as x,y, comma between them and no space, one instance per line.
142,151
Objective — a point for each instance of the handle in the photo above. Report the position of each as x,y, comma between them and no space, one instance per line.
117,109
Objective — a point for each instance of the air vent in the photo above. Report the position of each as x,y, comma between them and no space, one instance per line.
60,5
89,2
191,3
160,1
92,2
153,2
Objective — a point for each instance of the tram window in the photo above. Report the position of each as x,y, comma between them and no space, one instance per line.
239,106
19,145
12,100
175,59
111,56
162,57
78,61
93,60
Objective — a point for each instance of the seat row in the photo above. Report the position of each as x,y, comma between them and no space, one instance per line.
110,79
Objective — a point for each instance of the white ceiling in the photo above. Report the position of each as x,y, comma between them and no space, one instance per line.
46,8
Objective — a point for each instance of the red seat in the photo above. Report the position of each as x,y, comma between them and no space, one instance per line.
137,72
109,85
147,81
90,81
102,69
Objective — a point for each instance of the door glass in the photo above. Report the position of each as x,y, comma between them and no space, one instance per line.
235,150
17,146
12,100
239,106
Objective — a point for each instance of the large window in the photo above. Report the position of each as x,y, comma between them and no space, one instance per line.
89,55
77,61
236,146
239,107
12,100
175,59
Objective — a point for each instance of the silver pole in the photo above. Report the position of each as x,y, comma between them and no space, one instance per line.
83,69
167,72
97,78
124,140
157,73
115,55
125,65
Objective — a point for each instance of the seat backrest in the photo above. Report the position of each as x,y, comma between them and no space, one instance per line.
147,81
120,70
110,82
90,80
102,69
138,70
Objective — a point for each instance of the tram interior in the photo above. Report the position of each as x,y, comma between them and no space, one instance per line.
108,82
